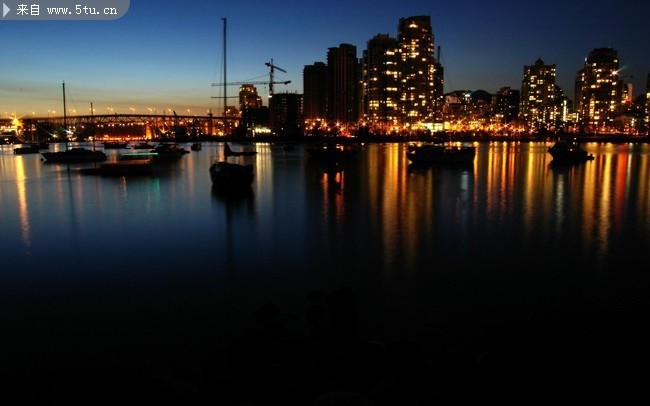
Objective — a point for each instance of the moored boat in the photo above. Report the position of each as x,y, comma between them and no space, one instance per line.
168,152
440,153
144,145
74,155
230,176
568,152
229,152
31,149
115,144
332,152
197,146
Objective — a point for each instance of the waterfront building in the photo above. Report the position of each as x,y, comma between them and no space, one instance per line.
287,113
505,104
343,86
381,92
599,91
417,71
539,106
647,105
314,80
248,97
466,110
438,91
255,120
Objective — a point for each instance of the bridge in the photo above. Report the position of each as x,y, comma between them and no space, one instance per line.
115,125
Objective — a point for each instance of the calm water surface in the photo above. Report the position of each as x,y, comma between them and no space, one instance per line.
101,270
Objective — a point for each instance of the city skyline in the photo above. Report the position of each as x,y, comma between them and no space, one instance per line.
166,56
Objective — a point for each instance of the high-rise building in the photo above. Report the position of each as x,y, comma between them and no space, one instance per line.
647,105
314,82
248,97
438,90
287,113
254,118
598,90
506,104
343,85
417,70
538,106
381,91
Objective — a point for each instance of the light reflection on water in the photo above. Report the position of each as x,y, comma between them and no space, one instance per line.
510,229
512,189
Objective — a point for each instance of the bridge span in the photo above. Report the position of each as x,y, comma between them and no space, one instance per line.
129,124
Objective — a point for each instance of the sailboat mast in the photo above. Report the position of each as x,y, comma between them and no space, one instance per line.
225,22
65,124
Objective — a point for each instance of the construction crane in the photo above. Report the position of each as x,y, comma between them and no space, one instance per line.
273,68
264,82
270,82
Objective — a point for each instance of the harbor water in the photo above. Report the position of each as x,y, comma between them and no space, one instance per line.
543,267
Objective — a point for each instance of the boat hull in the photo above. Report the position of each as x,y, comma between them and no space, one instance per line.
115,145
332,153
168,153
565,152
441,154
226,175
74,155
32,149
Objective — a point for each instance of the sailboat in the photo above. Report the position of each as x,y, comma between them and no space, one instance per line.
73,154
229,152
228,176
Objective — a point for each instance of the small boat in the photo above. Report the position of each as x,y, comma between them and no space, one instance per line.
197,146
144,145
229,152
114,144
332,152
121,168
168,152
31,149
74,155
230,176
149,154
440,153
569,152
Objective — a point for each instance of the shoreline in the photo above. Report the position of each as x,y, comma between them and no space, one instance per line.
370,138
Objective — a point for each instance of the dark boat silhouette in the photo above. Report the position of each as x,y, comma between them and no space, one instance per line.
332,152
440,153
229,152
568,152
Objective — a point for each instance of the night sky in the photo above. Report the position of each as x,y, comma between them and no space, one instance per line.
166,54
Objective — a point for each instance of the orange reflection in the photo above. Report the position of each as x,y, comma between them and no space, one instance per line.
23,211
332,183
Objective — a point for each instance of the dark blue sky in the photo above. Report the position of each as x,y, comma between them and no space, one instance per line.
166,54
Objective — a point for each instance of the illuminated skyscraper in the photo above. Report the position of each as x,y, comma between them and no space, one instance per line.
538,106
248,97
343,85
381,91
417,70
598,90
